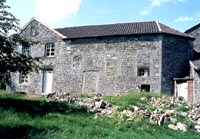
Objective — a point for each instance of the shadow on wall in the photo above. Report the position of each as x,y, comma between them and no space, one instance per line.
2,82
10,84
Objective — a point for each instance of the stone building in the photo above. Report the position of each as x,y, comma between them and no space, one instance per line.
195,62
108,59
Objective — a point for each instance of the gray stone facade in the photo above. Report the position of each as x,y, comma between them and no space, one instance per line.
195,74
194,31
195,62
176,53
108,65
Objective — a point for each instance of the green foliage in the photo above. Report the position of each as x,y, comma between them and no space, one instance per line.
125,101
85,96
182,109
10,59
8,21
4,94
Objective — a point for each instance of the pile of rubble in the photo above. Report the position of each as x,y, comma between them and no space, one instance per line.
61,97
96,105
165,109
191,112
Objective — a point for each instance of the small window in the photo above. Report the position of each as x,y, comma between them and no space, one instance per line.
33,31
143,72
26,50
49,50
23,78
145,88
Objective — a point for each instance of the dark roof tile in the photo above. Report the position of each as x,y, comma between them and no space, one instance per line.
119,30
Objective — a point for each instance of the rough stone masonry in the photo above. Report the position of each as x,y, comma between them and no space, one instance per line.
107,59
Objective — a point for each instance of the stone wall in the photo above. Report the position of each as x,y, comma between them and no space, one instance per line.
44,36
195,74
196,33
109,65
197,86
176,53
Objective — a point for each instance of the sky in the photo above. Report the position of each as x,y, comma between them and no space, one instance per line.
178,14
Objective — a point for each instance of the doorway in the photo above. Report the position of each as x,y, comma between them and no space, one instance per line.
47,81
182,89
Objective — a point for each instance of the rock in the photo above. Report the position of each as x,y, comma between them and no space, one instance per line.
61,96
153,122
96,116
184,114
142,98
197,127
182,127
161,120
147,113
100,104
171,126
97,98
127,113
197,115
173,120
135,108
198,122
169,112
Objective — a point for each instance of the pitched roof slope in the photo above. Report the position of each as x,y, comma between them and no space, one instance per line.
119,29
193,28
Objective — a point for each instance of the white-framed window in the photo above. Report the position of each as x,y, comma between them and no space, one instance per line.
49,50
33,31
23,78
26,50
143,71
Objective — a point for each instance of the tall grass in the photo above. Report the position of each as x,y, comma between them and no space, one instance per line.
38,119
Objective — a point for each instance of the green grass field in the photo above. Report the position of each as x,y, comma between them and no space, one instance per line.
22,118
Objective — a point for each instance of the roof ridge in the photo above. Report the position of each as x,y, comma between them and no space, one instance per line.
106,24
158,25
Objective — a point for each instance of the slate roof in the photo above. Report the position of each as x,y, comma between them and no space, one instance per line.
119,29
193,28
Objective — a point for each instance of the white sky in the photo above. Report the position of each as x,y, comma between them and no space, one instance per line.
55,10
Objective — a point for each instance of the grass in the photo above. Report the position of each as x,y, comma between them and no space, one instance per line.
22,117
126,101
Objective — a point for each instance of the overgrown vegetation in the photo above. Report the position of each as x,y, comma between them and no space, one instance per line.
24,117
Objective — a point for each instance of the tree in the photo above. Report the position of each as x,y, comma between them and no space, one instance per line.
10,59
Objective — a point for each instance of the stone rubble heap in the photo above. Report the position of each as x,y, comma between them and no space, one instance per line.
95,105
61,97
98,106
166,109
